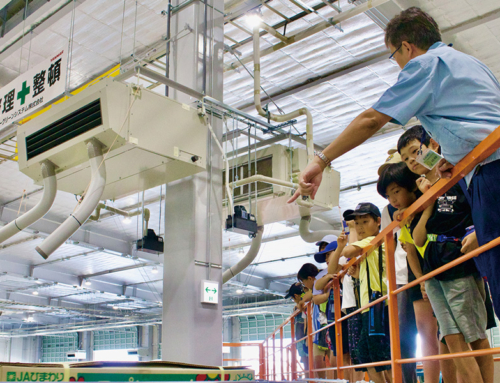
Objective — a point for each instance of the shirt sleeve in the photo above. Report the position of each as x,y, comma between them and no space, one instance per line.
386,218
321,274
412,94
363,243
404,235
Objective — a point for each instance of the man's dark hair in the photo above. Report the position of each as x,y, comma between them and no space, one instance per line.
307,270
414,26
400,175
416,132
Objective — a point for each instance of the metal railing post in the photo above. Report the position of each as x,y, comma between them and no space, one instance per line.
293,351
274,356
310,340
338,328
397,375
267,359
281,354
262,367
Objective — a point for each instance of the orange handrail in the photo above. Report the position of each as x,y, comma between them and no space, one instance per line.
482,151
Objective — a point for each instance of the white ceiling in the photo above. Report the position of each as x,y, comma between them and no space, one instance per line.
98,45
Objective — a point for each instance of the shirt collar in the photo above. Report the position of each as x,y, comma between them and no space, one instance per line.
437,45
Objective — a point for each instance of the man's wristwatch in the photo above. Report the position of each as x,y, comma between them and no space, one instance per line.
323,158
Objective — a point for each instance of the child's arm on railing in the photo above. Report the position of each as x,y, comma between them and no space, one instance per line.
306,298
322,282
321,298
333,266
420,232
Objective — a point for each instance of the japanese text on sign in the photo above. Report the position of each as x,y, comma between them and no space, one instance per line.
32,89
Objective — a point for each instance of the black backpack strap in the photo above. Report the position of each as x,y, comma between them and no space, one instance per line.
380,270
368,277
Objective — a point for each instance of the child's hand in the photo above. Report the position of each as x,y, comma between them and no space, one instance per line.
352,270
423,184
444,169
342,240
403,246
424,293
301,306
328,286
398,214
469,243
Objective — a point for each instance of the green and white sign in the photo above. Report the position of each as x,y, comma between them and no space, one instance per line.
210,292
33,89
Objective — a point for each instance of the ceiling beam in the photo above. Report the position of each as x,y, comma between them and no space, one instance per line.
367,61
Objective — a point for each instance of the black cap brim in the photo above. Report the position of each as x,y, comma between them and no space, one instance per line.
320,257
349,215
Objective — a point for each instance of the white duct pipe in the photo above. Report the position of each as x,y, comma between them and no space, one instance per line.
40,209
267,180
89,203
247,259
313,236
277,117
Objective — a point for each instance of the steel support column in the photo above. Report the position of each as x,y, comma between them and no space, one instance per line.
192,331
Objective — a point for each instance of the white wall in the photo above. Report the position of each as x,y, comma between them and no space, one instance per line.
20,349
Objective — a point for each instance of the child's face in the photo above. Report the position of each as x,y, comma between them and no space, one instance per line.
399,197
296,298
308,283
409,154
366,226
327,257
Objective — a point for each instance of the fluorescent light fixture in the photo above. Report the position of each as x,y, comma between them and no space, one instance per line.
87,282
154,270
30,319
253,20
239,291
127,220
115,307
35,292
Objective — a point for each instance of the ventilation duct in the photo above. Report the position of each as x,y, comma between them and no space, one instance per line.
40,209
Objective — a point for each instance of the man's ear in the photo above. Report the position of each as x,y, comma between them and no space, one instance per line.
379,221
434,145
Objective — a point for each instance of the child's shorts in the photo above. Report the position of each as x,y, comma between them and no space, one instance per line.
353,331
374,348
345,338
459,307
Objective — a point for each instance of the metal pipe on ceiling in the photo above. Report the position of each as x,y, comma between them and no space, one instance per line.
310,31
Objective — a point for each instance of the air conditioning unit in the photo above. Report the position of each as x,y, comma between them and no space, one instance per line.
154,141
285,164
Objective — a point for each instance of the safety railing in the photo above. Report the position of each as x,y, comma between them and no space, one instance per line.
482,151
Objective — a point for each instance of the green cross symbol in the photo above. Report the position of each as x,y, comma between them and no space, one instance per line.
23,93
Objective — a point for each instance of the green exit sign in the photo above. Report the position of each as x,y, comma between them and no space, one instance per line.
210,292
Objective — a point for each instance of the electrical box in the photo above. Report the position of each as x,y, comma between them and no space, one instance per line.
151,139
267,202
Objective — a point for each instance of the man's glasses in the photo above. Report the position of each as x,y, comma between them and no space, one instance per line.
391,57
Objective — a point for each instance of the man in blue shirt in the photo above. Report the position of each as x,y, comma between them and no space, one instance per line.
457,100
